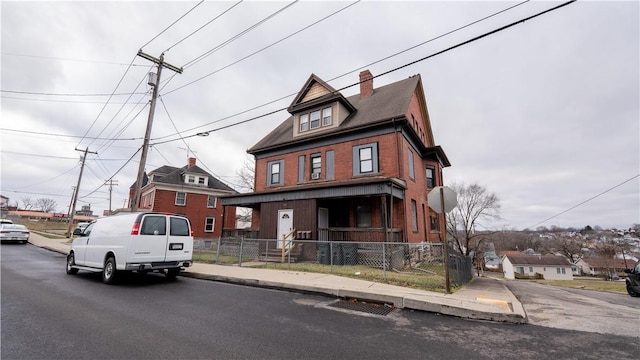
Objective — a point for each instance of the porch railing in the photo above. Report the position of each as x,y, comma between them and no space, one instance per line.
359,234
287,241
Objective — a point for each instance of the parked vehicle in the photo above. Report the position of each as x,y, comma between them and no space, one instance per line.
14,232
6,221
633,280
142,242
81,226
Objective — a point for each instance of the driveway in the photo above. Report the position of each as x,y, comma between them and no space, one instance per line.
576,309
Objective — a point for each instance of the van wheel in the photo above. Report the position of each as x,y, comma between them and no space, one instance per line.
631,292
71,260
109,271
172,273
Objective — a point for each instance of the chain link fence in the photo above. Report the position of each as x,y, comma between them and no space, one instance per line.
417,265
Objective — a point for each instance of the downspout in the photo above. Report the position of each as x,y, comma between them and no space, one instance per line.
224,207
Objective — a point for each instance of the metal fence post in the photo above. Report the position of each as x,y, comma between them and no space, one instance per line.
331,256
384,261
218,251
266,254
240,259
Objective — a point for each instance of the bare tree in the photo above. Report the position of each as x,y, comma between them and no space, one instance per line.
46,204
569,247
27,203
475,206
246,181
247,174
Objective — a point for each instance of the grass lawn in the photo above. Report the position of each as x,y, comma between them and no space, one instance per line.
591,284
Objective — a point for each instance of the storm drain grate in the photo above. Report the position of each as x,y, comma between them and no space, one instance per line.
356,305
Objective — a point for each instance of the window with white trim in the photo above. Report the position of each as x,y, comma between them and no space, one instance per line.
191,179
181,198
316,164
365,159
315,119
209,223
211,201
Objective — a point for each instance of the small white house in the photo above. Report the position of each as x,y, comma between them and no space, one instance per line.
550,266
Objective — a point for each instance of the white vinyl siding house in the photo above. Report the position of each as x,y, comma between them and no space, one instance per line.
550,266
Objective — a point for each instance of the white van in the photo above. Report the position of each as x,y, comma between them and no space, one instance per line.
143,242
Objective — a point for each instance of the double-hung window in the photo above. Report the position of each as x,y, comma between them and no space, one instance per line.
209,223
431,177
315,119
275,172
326,116
211,201
304,122
181,198
365,159
414,216
316,165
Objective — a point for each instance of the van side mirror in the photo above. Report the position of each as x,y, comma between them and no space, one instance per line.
628,271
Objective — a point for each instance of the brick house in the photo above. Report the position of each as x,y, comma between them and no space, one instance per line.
600,266
355,168
190,191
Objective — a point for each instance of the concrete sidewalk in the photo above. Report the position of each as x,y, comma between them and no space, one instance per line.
483,298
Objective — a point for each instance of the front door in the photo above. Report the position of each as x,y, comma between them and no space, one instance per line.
285,225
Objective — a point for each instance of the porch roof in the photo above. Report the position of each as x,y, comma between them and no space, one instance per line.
351,188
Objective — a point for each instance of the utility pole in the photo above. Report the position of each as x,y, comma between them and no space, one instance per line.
75,194
147,135
111,182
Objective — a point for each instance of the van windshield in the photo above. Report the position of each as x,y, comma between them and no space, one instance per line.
153,225
179,227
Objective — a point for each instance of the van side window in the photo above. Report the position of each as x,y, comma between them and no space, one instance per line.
87,230
179,227
154,225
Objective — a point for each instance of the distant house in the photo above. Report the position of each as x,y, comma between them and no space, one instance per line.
551,267
355,168
190,191
599,266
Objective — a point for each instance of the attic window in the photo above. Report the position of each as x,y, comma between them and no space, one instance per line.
191,179
315,119
201,180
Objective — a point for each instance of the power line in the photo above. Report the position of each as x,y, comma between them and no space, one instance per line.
354,70
117,171
264,48
59,101
203,26
68,136
109,99
50,156
173,23
584,202
237,36
206,133
62,94
70,59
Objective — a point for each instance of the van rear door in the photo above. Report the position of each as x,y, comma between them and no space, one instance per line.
151,242
180,245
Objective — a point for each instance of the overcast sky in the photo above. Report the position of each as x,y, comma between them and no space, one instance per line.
544,114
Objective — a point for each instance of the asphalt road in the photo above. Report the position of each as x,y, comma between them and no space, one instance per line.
46,314
577,309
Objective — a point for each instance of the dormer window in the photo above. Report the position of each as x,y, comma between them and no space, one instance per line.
201,180
191,179
316,119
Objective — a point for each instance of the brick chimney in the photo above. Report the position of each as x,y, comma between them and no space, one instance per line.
192,162
366,84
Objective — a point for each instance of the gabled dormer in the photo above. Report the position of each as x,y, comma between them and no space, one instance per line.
193,175
318,107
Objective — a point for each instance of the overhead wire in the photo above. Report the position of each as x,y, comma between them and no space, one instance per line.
109,99
173,23
237,36
352,71
262,49
476,38
584,202
203,26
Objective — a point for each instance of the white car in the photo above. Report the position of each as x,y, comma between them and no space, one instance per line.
10,232
142,242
